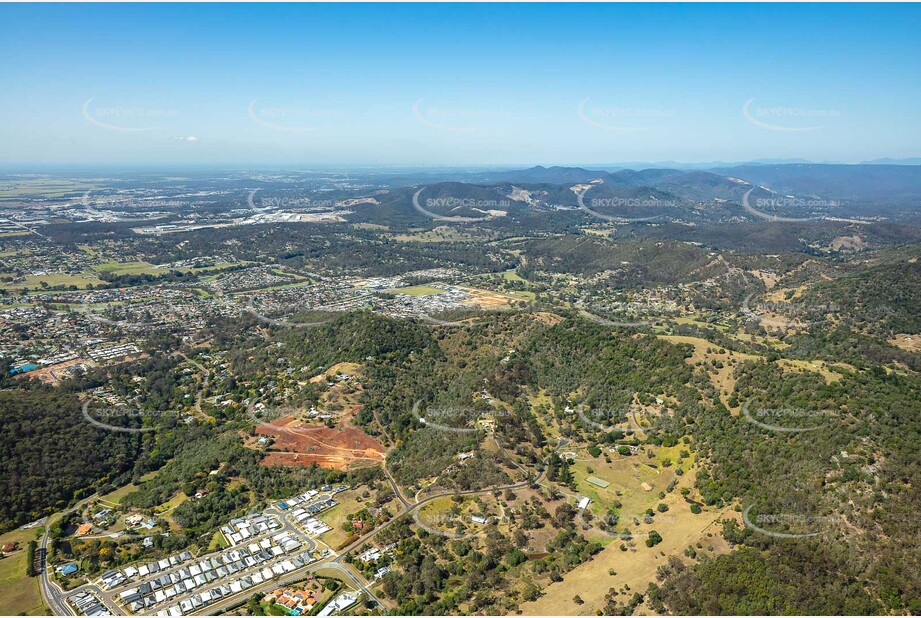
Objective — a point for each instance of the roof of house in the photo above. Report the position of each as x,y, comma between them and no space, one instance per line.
84,529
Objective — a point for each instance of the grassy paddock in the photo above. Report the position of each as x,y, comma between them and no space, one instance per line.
19,594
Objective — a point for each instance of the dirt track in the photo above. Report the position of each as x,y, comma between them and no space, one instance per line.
299,444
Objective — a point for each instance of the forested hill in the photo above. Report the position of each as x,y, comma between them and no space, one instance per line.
53,456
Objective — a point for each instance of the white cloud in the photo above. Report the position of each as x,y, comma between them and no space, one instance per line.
187,138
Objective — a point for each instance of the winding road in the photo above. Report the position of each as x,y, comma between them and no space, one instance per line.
55,597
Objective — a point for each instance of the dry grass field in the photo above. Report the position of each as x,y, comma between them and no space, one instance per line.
19,594
635,567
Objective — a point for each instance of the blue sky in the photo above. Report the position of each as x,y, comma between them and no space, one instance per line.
485,84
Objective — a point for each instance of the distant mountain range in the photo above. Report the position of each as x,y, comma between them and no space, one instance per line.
790,190
715,164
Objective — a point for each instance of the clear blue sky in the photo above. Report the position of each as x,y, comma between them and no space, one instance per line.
419,84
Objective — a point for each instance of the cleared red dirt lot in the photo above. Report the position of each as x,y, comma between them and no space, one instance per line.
299,444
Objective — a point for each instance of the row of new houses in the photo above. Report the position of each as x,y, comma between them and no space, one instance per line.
208,570
112,579
242,529
218,593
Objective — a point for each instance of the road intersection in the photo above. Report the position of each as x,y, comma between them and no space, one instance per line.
333,561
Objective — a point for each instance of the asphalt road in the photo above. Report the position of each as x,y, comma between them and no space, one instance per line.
51,593
55,599
336,563
396,487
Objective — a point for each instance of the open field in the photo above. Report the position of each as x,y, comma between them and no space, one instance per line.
343,398
344,368
626,479
349,502
692,321
128,268
218,542
453,518
635,567
19,594
627,474
596,232
443,233
723,378
166,509
912,343
490,299
416,290
34,282
55,373
145,268
42,187
816,366
115,498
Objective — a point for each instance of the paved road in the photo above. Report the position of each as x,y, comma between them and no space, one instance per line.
227,603
356,579
111,596
202,385
333,562
396,487
51,593
418,505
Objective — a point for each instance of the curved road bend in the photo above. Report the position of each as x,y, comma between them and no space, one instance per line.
109,597
331,562
335,562
51,593
396,487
